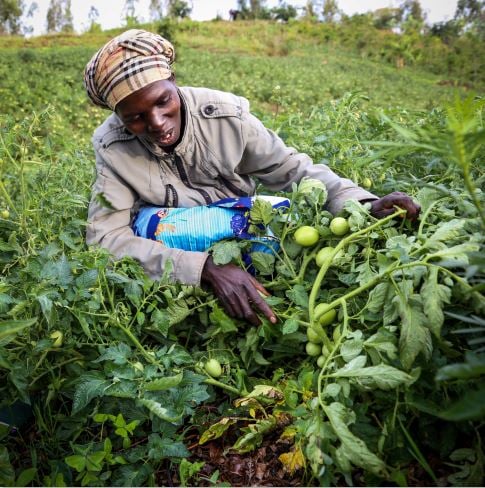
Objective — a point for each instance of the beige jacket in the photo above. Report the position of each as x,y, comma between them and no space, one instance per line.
223,150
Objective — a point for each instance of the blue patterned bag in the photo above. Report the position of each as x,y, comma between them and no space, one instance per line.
198,228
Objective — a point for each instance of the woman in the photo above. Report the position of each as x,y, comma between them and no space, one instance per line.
173,146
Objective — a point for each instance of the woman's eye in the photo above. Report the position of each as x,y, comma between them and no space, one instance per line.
163,100
133,118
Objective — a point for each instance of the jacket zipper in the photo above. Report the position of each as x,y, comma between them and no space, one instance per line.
172,199
186,182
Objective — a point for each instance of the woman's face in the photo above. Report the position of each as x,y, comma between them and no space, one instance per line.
154,111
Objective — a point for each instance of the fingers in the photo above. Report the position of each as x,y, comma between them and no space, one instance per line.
255,299
386,205
240,293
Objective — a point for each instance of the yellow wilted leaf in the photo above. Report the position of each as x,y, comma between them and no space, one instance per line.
289,433
216,430
293,460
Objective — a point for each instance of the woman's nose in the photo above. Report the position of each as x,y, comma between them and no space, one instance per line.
156,120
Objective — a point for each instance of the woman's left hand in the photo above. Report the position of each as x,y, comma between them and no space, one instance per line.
385,206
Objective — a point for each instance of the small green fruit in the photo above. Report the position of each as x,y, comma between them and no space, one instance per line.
328,317
313,349
306,236
213,368
339,226
321,361
367,183
323,255
313,336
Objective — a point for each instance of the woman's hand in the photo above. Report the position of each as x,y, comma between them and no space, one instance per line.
238,291
385,206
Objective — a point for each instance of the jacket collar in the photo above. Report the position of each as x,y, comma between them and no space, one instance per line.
186,145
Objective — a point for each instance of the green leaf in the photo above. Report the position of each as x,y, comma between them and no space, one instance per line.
163,447
220,319
163,383
161,321
132,475
58,272
87,279
119,354
298,295
351,349
122,389
89,386
261,212
77,462
445,233
82,322
383,376
353,448
46,307
225,251
9,328
263,262
355,363
7,473
474,367
290,326
177,312
470,407
456,255
94,462
383,341
157,409
378,297
26,477
187,470
434,296
415,337
217,430
366,273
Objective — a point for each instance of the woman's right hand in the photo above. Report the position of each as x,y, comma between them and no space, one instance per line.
238,291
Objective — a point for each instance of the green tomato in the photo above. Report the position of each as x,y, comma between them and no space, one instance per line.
5,214
339,226
323,255
58,337
321,361
336,334
313,349
213,368
328,317
367,183
313,336
306,236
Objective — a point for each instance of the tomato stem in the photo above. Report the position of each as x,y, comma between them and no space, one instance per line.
326,264
213,382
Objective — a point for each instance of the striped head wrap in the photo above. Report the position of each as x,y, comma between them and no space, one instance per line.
126,64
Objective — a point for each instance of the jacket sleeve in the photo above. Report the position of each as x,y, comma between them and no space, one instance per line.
110,228
278,166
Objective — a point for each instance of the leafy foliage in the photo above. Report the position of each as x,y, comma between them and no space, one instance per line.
124,395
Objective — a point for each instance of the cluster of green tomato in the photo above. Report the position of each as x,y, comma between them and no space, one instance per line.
308,236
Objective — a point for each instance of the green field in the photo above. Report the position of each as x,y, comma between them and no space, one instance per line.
102,371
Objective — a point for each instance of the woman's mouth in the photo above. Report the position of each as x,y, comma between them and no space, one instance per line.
165,139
